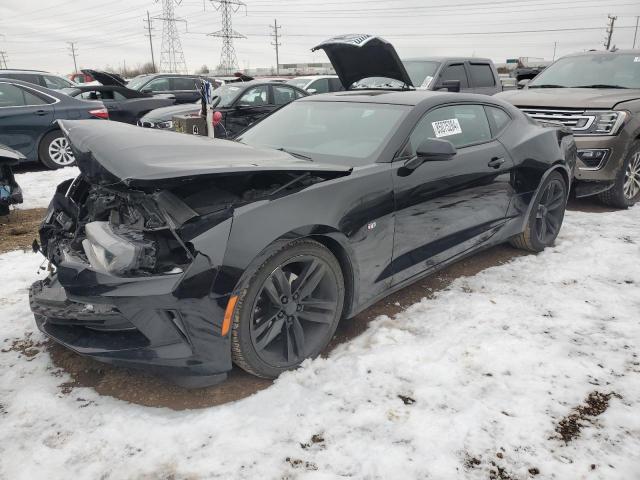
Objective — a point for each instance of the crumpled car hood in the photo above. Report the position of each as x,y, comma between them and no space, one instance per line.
111,152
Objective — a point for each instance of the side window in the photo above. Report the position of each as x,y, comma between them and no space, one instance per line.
455,71
14,96
117,96
320,86
283,95
55,83
255,97
25,77
335,85
481,75
185,83
462,125
91,95
157,85
498,118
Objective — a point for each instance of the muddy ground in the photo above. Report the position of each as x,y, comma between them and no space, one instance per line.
19,229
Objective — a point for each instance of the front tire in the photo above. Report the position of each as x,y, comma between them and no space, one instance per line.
55,152
626,191
288,310
547,214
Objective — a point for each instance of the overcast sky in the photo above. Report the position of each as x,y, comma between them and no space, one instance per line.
111,32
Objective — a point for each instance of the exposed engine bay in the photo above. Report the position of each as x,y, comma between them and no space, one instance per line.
127,231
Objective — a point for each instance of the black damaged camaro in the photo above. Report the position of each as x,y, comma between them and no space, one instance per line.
180,254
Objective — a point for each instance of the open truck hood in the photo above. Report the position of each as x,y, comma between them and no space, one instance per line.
112,152
105,78
355,57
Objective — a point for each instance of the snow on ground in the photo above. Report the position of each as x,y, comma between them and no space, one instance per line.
493,363
39,187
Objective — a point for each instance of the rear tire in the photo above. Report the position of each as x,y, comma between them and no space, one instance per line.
54,151
288,310
547,214
626,191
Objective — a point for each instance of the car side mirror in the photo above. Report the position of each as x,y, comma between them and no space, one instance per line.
311,91
146,90
523,83
436,150
449,85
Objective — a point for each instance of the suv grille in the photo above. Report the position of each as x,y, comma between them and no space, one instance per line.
574,119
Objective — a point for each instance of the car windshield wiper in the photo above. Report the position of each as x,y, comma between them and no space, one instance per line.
295,154
547,85
600,85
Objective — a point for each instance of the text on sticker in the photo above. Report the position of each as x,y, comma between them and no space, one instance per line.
445,128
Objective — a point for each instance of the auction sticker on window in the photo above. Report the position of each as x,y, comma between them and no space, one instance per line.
446,128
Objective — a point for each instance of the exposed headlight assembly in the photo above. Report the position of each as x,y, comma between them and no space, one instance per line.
601,122
117,251
164,125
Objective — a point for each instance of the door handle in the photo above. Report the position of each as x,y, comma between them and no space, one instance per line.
40,113
495,162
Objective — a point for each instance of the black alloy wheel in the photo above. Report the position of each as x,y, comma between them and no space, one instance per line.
547,214
550,211
289,311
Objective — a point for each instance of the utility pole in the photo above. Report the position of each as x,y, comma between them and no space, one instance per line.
275,43
228,60
72,47
3,59
555,45
612,21
171,55
149,29
635,34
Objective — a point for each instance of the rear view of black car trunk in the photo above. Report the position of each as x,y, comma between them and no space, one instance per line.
137,271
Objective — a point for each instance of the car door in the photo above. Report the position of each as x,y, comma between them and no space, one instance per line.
444,208
255,103
452,71
482,78
158,85
186,89
24,116
321,85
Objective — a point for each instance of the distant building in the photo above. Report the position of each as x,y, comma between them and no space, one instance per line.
293,70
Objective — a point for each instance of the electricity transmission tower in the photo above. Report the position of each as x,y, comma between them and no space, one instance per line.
171,56
3,59
228,60
276,43
607,40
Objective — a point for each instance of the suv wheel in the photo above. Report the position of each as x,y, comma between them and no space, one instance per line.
289,310
626,191
54,151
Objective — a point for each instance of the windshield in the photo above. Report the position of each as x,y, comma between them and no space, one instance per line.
137,82
421,72
593,71
298,82
335,132
226,94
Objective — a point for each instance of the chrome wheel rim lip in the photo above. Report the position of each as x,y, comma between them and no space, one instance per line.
286,331
60,152
631,186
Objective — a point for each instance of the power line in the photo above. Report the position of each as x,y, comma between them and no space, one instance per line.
276,44
228,60
607,40
149,28
171,55
72,48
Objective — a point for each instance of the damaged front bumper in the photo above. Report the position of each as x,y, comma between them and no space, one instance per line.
152,323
